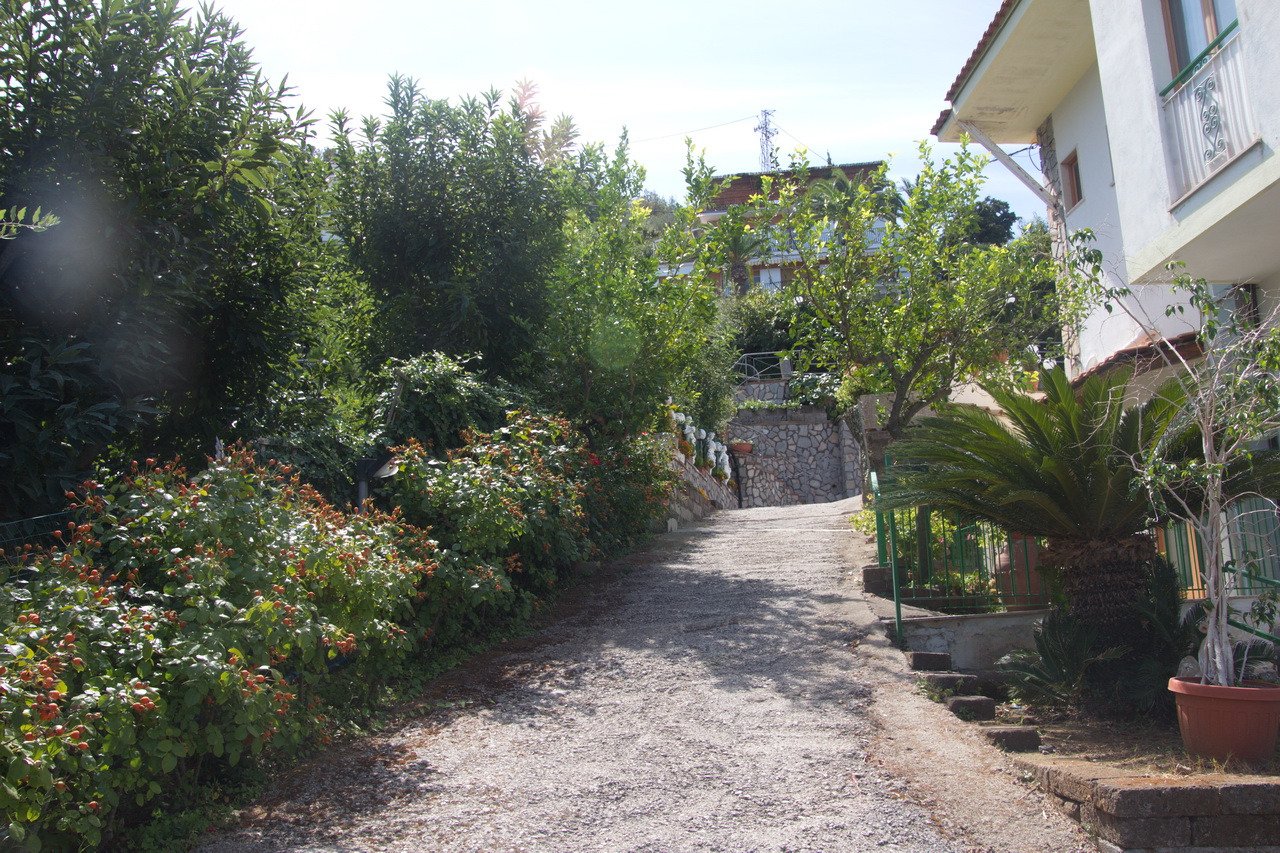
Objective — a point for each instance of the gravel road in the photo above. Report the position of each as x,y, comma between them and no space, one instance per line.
716,692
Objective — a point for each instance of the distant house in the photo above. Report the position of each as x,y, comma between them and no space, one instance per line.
1157,124
770,266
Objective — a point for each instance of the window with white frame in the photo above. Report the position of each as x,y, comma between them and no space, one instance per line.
769,278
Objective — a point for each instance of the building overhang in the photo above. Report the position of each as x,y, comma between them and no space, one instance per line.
1031,56
1229,239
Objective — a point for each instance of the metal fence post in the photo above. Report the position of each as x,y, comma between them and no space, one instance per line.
882,553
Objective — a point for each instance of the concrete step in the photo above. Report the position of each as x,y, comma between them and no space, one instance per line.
957,683
1013,738
929,661
972,707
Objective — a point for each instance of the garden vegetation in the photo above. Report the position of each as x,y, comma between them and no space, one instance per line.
459,287
209,316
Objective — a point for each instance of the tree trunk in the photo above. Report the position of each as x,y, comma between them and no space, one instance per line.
1104,581
740,276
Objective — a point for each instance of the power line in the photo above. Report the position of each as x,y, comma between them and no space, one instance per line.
697,129
806,145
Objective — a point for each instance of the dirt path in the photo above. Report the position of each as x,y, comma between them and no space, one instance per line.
727,692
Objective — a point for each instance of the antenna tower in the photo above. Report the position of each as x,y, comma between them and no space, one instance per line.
767,131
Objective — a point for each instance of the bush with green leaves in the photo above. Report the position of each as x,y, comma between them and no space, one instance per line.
632,326
626,493
54,414
1057,672
437,400
762,321
191,621
453,217
509,500
187,204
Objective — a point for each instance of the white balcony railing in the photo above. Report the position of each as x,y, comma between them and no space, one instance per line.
1207,119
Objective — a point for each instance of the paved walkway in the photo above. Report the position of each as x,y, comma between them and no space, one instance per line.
716,695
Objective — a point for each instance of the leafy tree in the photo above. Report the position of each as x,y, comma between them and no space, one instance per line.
895,295
761,321
453,217
1204,470
993,222
736,239
551,144
662,214
625,337
151,135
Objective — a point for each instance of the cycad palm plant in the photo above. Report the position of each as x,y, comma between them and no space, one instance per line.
1063,469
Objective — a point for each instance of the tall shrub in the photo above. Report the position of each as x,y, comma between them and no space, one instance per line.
448,211
150,133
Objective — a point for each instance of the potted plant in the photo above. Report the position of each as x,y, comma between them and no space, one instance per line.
1236,721
1205,470
741,446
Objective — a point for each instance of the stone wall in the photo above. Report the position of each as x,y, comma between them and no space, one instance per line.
766,390
799,456
1131,813
697,494
974,641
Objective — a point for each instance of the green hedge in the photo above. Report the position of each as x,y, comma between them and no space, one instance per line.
187,623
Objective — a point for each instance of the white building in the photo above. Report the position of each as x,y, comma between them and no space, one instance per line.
1157,123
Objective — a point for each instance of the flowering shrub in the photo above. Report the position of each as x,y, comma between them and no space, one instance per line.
184,623
627,490
510,500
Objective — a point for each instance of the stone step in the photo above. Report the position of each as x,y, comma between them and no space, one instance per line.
929,661
972,707
957,682
1013,738
877,580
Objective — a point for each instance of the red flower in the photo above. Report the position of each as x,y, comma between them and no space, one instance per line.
593,459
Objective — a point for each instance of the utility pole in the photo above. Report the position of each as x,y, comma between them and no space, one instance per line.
768,153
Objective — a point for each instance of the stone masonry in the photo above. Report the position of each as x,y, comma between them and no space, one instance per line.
799,456
697,493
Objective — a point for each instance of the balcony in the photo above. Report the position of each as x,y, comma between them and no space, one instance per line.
1208,122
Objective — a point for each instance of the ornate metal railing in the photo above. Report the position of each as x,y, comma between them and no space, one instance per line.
1208,121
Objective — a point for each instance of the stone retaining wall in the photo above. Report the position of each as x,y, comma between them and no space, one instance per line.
1176,814
766,390
697,494
799,456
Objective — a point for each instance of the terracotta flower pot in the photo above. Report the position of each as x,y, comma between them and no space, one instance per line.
742,448
1017,574
1228,722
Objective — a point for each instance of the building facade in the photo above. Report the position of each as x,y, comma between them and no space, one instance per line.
770,265
1156,124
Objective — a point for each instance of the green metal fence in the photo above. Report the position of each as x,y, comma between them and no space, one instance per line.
941,565
979,568
1251,548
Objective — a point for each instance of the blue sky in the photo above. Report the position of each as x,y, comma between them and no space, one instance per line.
861,79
